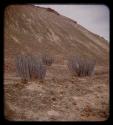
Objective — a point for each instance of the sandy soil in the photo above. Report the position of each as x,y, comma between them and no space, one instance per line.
60,97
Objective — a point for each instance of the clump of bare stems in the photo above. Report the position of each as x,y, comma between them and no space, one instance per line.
29,68
80,66
47,59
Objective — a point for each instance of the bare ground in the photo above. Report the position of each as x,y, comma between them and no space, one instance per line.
60,97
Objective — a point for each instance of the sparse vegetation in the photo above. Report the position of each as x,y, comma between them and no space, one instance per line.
28,68
80,66
47,59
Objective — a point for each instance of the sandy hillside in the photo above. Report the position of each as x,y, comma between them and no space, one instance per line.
60,97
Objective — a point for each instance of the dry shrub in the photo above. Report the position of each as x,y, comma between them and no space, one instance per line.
29,68
81,66
47,59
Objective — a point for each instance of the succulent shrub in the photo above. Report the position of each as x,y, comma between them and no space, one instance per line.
29,68
47,59
81,66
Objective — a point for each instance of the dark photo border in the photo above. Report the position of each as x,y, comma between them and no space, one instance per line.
3,5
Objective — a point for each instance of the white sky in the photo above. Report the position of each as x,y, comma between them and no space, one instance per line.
95,18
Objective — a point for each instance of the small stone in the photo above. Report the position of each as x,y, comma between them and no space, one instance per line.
54,99
61,92
74,103
53,113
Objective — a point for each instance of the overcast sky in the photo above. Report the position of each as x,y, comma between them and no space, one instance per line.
93,17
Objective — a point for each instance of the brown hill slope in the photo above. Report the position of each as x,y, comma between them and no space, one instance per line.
60,97
35,30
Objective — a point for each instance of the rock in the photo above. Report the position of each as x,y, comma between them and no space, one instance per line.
53,113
